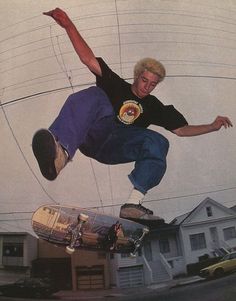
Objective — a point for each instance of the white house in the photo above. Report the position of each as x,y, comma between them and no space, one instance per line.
210,228
159,260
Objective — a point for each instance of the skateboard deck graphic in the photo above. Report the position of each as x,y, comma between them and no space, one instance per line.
77,228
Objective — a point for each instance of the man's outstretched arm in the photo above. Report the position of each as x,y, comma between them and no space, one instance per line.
84,52
195,130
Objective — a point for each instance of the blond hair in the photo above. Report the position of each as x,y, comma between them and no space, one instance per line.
150,65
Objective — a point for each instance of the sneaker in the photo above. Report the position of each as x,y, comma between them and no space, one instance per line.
138,213
50,155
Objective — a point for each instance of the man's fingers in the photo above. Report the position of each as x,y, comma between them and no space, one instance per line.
225,121
229,122
49,13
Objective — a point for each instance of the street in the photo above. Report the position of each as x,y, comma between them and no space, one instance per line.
222,289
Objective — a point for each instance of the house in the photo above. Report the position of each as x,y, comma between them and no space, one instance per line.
210,229
81,270
159,260
22,255
17,251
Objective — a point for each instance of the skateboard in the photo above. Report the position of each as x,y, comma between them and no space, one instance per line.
78,228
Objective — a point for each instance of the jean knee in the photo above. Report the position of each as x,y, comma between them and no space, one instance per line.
159,144
164,144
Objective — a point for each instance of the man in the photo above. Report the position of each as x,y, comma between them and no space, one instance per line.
109,123
112,236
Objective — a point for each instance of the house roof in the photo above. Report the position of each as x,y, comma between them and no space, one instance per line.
188,216
22,226
233,208
163,228
178,220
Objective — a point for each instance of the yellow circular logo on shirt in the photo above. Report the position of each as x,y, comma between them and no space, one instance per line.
130,111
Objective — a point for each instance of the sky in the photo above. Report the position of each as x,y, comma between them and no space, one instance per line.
196,42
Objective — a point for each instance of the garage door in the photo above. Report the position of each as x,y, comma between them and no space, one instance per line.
90,278
131,277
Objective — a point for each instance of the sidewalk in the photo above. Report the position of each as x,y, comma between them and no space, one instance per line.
121,292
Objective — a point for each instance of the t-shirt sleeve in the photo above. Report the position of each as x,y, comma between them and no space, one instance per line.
109,79
172,119
165,116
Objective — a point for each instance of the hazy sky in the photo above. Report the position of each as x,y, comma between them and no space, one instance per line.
196,42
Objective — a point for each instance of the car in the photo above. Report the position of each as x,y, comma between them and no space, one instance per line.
28,287
226,265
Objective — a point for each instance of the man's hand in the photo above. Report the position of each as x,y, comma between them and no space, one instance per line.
221,121
195,130
60,17
84,52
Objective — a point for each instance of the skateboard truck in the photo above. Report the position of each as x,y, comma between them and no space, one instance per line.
76,233
137,242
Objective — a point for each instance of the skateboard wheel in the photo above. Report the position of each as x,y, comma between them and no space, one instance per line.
83,217
70,250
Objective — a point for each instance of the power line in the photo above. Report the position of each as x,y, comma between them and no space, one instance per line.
172,197
23,155
191,195
9,102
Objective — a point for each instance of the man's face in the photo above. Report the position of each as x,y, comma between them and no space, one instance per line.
145,83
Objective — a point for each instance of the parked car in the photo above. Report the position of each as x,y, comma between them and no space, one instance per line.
226,265
28,287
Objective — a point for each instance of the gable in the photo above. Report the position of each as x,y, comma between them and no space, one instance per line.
208,210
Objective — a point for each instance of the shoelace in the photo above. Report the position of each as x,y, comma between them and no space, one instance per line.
148,211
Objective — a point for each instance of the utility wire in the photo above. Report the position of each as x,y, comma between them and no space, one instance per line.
23,155
173,197
15,100
64,70
97,186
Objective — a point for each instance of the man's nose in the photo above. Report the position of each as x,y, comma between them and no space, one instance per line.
146,86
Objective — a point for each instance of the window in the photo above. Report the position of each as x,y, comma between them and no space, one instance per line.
197,241
209,211
229,233
12,249
164,245
232,256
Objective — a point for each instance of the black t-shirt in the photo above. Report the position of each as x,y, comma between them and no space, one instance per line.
130,109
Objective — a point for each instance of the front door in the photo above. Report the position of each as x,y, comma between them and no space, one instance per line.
214,236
